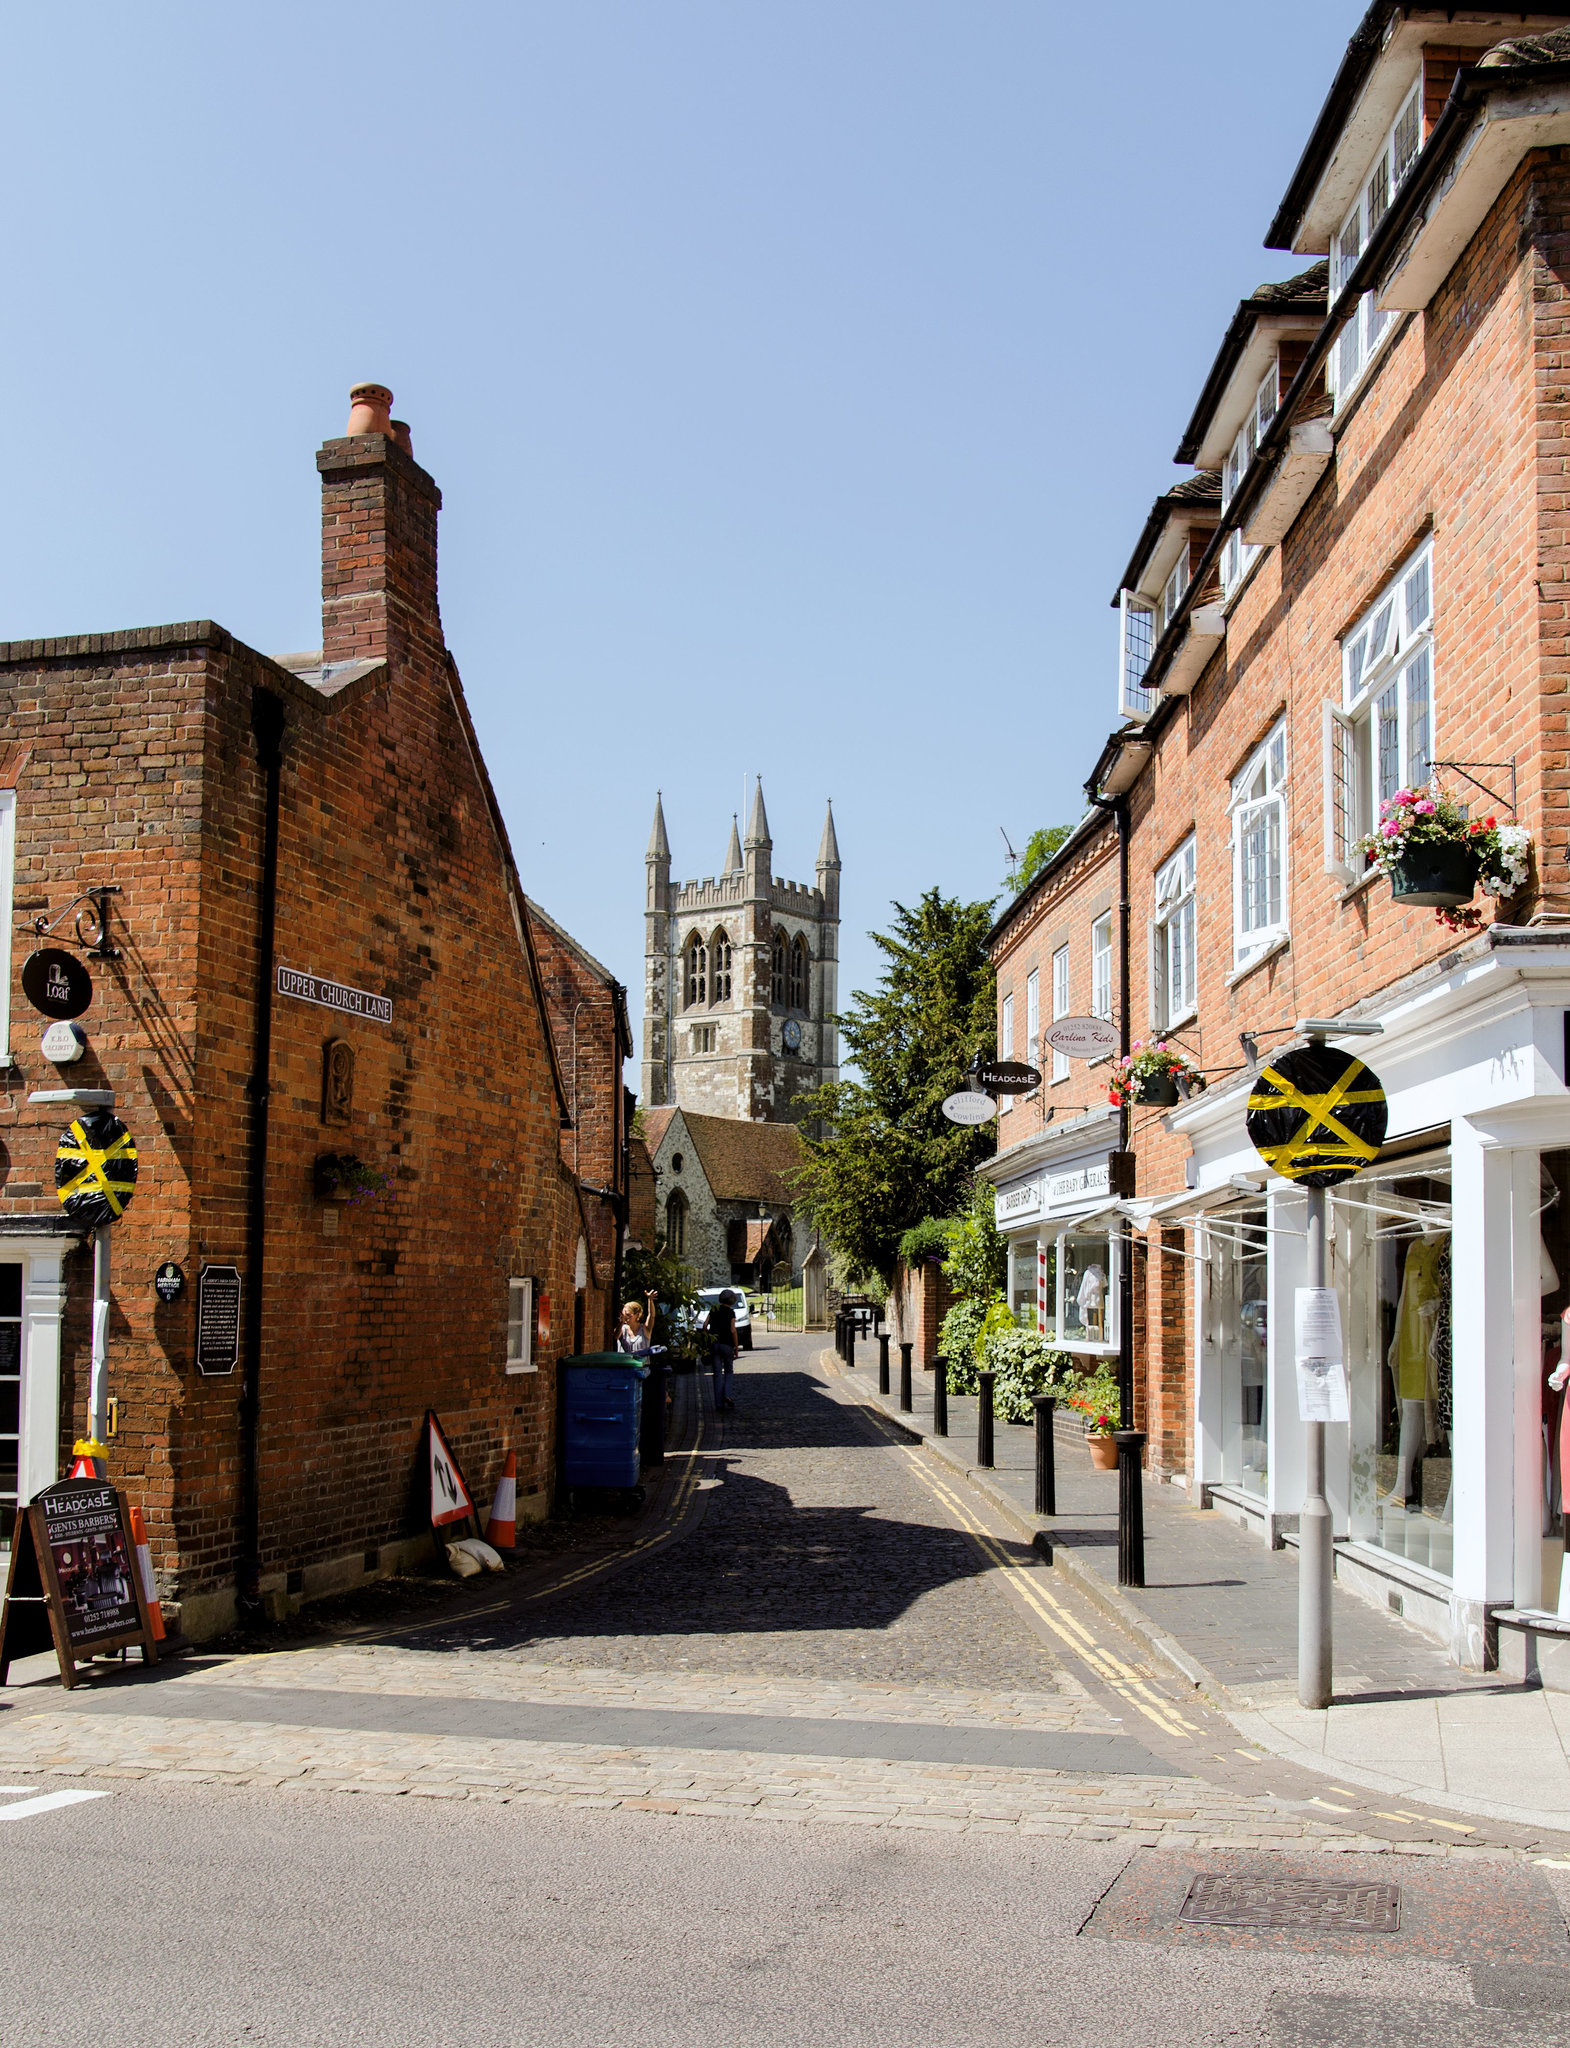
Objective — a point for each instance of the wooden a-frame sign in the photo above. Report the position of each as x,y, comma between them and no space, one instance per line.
73,1584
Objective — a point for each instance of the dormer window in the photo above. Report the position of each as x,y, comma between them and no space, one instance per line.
1368,326
1172,592
1136,639
1237,557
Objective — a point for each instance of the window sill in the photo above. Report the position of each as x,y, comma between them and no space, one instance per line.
1271,952
513,1370
1357,888
1183,1017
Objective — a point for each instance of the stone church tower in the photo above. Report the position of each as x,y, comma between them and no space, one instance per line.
740,979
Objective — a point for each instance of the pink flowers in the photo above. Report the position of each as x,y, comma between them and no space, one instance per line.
1391,828
1425,809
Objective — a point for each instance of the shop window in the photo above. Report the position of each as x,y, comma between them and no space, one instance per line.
1381,737
1236,1319
1085,1262
1060,1061
1391,1255
1174,941
1047,1287
1022,1281
1259,842
777,970
720,968
520,1326
676,1225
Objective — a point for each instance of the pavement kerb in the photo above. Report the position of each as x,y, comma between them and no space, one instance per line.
1043,1534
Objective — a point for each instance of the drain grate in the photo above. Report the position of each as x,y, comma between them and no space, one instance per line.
1296,1902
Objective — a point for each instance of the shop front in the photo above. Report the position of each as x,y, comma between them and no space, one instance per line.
1054,1206
1450,1260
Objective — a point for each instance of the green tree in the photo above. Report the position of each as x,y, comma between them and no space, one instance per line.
887,1157
1039,849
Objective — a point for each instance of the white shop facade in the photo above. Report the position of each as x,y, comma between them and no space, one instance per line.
1450,1258
1055,1207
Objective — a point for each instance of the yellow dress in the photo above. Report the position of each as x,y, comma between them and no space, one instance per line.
1411,1349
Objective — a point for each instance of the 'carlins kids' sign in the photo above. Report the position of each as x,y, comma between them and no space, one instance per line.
1317,1116
95,1168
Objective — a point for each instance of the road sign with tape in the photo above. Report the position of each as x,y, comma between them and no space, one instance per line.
1317,1116
95,1168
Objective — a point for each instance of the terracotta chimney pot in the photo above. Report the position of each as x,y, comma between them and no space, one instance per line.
400,433
369,409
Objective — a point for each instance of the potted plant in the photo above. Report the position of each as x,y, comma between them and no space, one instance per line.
1097,1399
1154,1075
340,1177
1436,855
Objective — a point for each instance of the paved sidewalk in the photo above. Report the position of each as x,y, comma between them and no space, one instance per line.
1222,1609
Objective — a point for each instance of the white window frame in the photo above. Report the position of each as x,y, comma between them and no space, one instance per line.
1060,1060
1380,737
1174,933
1237,556
1006,1045
1359,340
7,895
1136,642
1101,967
1259,803
1057,1234
1172,590
1032,1016
520,1325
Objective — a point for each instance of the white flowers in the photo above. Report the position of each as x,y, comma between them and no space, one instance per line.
1511,863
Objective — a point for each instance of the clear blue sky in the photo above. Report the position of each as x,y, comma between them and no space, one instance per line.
797,375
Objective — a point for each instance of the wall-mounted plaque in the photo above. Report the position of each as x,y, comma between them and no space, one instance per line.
337,1081
217,1320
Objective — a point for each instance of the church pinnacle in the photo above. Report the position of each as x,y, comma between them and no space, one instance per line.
829,846
758,821
659,845
733,860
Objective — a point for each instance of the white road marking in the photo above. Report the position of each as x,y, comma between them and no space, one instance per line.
46,1802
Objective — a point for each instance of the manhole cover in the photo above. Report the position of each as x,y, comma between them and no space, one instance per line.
1331,1908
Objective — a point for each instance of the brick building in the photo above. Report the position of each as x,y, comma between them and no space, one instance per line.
1364,584
320,978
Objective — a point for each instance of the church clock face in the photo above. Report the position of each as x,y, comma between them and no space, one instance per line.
792,1035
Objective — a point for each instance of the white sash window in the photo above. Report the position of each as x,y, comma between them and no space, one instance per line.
1259,850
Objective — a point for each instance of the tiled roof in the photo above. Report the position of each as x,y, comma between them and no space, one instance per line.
1203,488
746,1162
1552,48
1309,288
656,1122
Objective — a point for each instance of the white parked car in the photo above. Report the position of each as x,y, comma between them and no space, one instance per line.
708,1296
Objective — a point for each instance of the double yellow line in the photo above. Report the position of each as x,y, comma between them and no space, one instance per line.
1122,1678
685,1486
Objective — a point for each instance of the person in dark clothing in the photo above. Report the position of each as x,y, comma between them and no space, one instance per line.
722,1340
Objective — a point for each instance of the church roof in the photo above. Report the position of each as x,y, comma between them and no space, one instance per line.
656,1122
741,1161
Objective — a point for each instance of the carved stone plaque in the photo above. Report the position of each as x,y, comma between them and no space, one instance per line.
337,1081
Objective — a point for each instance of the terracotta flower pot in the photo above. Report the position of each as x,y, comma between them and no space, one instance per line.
1156,1091
1441,876
1103,1453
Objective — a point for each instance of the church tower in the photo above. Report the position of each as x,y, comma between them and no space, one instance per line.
740,978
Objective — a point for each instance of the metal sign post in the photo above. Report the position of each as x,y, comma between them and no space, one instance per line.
1317,1117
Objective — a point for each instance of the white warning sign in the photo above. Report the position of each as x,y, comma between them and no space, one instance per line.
450,1500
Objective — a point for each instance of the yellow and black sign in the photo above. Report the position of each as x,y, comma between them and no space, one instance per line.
95,1168
1317,1116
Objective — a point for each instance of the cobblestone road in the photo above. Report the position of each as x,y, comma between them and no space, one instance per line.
821,1576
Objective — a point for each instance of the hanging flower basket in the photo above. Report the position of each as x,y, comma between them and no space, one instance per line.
1441,875
1155,1076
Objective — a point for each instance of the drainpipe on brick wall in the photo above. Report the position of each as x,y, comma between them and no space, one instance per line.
267,722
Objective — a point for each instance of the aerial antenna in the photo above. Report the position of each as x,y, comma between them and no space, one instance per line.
1013,860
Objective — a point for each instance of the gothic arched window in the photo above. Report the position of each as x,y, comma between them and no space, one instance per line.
676,1224
777,984
798,974
720,951
696,976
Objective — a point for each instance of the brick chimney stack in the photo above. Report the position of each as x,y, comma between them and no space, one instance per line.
378,538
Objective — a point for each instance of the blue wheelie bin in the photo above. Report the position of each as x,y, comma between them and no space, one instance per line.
601,1418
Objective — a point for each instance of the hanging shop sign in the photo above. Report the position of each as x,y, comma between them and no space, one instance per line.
1317,1116
969,1106
1006,1077
95,1168
333,995
169,1281
73,1583
56,983
1082,1038
217,1320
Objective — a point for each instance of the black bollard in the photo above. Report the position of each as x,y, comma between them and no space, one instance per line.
1046,1459
850,1341
940,1396
1131,1507
839,1335
906,1404
883,1363
984,1382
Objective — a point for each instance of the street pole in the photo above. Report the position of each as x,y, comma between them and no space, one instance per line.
98,1380
1315,1557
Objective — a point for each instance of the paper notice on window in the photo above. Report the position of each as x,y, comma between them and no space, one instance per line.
1321,1375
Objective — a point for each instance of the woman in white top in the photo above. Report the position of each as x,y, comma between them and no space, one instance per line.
636,1335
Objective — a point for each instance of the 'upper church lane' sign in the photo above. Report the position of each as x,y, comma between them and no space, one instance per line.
332,995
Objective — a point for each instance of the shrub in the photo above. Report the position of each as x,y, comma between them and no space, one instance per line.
957,1340
928,1239
1025,1364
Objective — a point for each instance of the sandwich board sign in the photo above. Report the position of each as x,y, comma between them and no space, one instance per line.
450,1500
73,1583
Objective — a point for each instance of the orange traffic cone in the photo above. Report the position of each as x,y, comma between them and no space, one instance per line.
87,1459
144,1569
501,1531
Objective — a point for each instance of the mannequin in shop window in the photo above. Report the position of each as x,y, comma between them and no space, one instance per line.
1418,1350
1092,1301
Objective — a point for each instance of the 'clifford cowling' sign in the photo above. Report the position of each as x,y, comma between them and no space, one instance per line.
332,995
